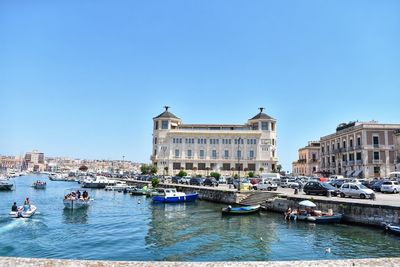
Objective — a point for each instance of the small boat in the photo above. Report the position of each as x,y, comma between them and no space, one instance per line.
311,215
5,185
170,195
98,182
57,177
71,200
39,185
119,186
241,210
393,228
23,214
139,191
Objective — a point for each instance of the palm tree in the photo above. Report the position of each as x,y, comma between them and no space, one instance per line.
279,167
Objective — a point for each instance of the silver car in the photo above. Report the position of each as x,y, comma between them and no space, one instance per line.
356,190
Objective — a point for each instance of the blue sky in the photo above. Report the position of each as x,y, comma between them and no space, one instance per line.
85,78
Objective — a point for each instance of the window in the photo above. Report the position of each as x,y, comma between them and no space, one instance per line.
354,187
351,142
214,154
345,186
201,166
376,155
189,153
176,153
156,125
251,154
201,153
239,154
155,140
272,126
333,147
358,155
375,140
254,126
264,126
176,166
164,125
344,143
226,154
358,141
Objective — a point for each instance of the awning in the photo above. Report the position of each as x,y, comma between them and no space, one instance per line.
357,173
345,173
350,174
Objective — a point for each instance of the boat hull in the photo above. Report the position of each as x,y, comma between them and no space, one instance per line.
241,210
6,187
335,218
94,185
76,204
175,199
23,214
39,186
394,229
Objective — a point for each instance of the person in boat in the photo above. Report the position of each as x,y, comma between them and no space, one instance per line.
85,195
229,208
78,194
27,205
14,207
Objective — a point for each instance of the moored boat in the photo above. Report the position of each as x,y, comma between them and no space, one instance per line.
311,215
23,213
393,228
5,185
170,195
241,210
98,182
119,186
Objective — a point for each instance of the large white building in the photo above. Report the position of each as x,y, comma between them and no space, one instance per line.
225,148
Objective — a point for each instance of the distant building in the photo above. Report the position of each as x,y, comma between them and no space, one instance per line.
360,149
397,149
34,161
10,162
225,148
308,162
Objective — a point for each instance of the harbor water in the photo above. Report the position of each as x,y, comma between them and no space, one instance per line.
118,226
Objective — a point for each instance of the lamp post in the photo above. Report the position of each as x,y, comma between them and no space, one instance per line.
164,148
238,156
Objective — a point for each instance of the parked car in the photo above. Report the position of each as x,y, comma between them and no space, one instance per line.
390,187
185,179
319,188
290,183
210,182
196,181
356,190
337,182
176,179
244,183
266,184
376,186
222,180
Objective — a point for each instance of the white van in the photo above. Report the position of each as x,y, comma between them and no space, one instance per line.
266,184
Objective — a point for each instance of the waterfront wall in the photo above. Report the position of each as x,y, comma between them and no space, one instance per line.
360,213
213,194
22,262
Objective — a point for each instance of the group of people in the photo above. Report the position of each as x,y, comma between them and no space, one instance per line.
25,207
77,195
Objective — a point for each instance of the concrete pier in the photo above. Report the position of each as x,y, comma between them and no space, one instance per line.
30,262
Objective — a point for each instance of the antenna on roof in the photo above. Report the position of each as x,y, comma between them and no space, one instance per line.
166,108
261,109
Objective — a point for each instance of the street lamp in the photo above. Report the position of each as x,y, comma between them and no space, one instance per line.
164,148
238,156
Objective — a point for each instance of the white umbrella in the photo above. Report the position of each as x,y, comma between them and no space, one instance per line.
307,203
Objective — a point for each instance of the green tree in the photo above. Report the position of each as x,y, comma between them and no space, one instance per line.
261,169
216,175
155,182
279,167
181,173
83,168
153,169
251,174
208,169
145,169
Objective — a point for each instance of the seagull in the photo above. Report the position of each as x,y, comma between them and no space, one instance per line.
328,250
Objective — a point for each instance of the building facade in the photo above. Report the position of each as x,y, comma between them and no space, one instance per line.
360,149
34,161
397,149
225,148
308,162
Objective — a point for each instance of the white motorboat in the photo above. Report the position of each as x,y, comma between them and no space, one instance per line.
98,182
71,201
57,177
5,185
23,214
119,186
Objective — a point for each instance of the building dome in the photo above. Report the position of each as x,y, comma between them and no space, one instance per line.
262,116
166,114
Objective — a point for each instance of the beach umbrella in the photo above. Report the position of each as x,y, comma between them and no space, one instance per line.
307,203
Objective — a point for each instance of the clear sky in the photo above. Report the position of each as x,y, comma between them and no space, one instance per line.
85,78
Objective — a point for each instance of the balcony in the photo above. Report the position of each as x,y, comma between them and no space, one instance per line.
350,148
302,161
350,163
336,151
358,147
359,162
376,161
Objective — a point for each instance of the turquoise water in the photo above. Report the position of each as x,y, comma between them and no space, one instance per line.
124,227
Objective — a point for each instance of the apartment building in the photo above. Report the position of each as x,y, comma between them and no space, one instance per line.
308,162
359,149
225,148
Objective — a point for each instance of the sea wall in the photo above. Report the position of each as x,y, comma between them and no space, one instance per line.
22,262
360,213
213,194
